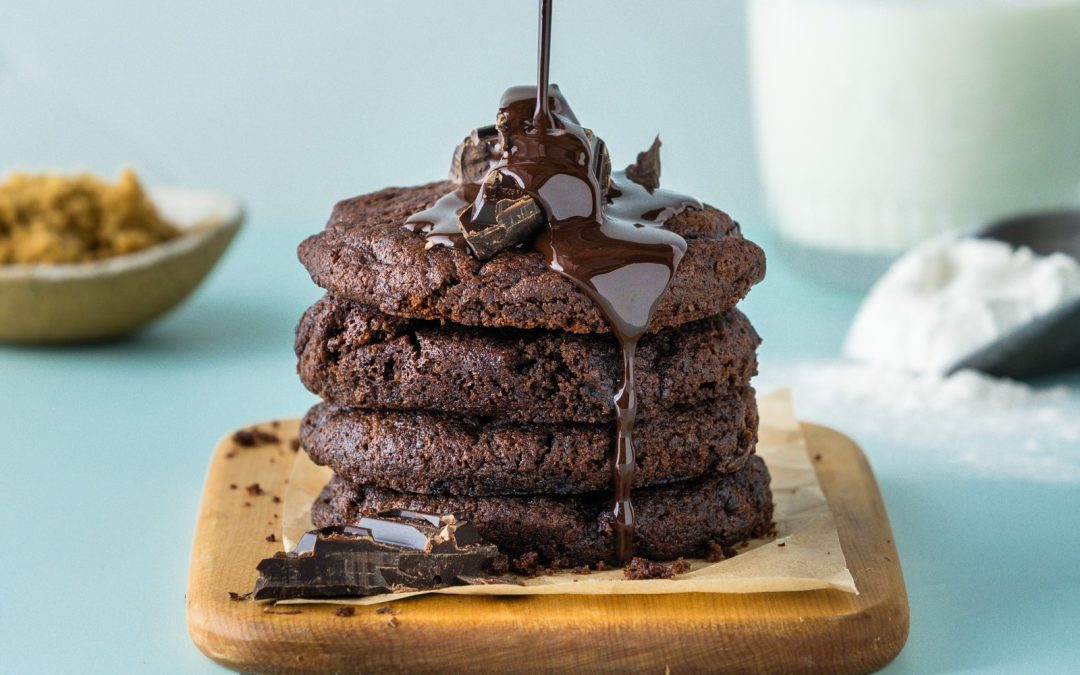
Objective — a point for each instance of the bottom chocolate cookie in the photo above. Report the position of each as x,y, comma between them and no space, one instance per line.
672,521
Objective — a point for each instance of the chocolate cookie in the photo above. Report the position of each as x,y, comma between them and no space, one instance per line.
673,521
365,254
436,453
353,355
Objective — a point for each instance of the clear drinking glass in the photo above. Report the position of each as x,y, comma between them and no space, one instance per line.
880,123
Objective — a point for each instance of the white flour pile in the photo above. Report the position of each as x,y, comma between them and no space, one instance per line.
940,302
949,297
998,428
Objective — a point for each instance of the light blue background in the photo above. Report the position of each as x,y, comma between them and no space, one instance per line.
291,107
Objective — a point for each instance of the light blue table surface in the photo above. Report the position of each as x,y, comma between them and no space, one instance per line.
105,446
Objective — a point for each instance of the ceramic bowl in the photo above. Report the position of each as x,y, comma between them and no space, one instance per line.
107,298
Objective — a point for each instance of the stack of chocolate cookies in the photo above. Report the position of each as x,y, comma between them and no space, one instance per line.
485,388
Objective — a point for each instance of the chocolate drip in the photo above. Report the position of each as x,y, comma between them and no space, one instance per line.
604,232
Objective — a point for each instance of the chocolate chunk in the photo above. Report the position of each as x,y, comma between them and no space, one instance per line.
474,156
503,216
399,549
646,170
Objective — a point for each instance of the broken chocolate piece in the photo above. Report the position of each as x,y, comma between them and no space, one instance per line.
475,155
398,549
646,170
502,216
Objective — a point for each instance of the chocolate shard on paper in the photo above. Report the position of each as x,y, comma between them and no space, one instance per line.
646,170
398,549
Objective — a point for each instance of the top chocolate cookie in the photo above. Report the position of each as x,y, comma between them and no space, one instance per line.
365,254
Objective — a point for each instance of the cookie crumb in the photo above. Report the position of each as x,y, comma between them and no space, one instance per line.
237,597
276,499
640,568
254,489
345,611
719,552
500,564
232,486
584,569
271,537
392,622
250,438
680,566
294,444
271,610
528,564
783,543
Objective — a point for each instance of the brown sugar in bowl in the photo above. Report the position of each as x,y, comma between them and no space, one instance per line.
85,301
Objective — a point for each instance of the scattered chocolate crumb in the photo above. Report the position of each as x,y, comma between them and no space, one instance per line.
392,622
717,552
744,544
888,559
250,438
294,444
601,566
271,537
254,489
274,424
271,460
553,568
500,564
817,456
247,503
584,569
275,516
385,609
276,499
528,564
783,543
230,454
236,597
232,486
640,568
680,566
345,611
271,610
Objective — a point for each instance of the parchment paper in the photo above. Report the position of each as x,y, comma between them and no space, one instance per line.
810,558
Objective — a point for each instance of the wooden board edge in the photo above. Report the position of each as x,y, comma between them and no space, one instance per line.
243,645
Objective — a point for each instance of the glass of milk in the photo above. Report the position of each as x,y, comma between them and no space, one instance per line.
880,123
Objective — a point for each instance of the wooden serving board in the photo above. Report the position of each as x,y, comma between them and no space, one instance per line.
813,631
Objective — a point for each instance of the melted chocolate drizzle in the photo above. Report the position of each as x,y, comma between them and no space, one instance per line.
609,240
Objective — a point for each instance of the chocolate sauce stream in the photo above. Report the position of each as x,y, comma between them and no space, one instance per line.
542,117
611,243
